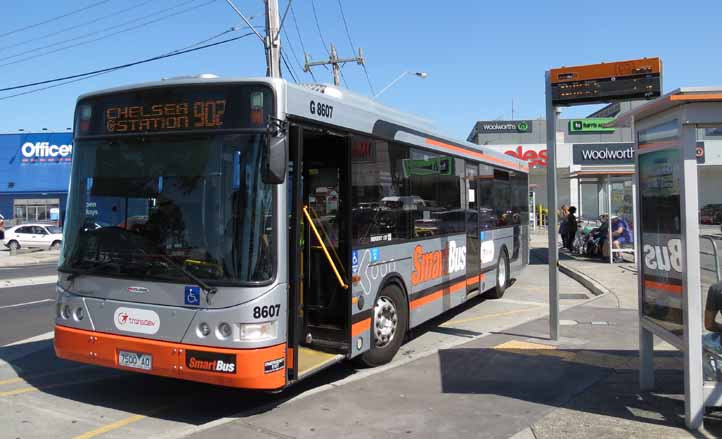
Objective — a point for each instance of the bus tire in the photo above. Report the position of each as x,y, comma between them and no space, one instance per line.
388,328
502,276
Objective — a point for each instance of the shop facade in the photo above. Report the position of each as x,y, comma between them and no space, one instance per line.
34,176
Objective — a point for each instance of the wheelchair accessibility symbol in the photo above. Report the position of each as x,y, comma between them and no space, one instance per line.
193,296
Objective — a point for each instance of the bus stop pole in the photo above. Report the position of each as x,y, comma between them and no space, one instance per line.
551,209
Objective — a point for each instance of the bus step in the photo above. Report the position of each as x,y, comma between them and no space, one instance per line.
311,361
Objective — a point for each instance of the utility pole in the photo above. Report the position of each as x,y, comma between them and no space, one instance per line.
335,62
273,40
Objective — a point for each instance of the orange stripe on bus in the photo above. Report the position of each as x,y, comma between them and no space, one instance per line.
675,289
438,294
360,327
477,154
289,358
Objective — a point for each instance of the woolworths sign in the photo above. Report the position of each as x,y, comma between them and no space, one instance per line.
590,125
603,153
504,126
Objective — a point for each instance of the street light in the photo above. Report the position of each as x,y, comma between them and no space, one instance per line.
421,75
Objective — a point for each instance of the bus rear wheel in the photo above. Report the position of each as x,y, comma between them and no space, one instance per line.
390,321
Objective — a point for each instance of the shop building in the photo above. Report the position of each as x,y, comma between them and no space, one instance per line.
34,176
590,157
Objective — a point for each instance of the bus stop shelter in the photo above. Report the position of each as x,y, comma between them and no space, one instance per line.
613,197
671,288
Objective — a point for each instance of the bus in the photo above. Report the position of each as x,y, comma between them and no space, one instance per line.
251,232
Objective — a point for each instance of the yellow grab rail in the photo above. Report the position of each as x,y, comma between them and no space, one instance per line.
343,284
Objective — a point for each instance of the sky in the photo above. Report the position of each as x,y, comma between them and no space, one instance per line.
479,55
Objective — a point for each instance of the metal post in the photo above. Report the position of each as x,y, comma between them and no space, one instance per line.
610,238
692,299
551,216
273,44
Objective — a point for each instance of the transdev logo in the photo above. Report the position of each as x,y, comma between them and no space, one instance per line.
142,321
44,152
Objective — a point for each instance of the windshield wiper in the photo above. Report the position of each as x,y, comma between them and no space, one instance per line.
209,290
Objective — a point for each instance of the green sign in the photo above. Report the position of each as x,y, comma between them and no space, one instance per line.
432,166
591,125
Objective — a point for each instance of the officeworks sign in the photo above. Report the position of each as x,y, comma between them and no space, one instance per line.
46,152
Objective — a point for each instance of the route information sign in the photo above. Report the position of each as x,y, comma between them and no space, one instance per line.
607,82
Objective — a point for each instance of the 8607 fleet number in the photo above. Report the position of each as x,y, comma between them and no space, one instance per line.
321,109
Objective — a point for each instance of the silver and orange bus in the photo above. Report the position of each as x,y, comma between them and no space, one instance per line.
251,232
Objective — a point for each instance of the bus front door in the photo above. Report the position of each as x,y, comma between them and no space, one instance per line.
322,248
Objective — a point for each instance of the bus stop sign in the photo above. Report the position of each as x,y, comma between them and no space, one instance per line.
606,82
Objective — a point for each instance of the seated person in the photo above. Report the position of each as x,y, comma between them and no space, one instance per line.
712,351
620,236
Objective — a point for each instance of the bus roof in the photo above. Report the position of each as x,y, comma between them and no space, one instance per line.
349,110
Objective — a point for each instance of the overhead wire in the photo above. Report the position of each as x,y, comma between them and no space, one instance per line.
131,64
293,51
288,68
81,43
353,48
64,30
50,20
300,40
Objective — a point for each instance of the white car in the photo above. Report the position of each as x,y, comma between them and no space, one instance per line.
33,236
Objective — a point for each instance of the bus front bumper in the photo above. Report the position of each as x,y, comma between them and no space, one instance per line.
262,368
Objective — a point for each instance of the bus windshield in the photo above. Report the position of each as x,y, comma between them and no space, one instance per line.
152,207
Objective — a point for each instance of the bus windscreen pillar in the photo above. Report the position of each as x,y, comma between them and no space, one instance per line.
668,132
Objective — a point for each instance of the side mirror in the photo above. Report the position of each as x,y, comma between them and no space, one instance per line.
274,170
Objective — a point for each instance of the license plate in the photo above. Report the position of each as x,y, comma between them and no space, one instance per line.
135,360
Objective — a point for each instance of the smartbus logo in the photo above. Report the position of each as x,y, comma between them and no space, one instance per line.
45,152
207,361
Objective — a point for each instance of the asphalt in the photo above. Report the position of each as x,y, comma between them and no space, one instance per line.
486,369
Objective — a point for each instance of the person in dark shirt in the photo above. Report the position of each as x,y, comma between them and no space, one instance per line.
571,227
712,352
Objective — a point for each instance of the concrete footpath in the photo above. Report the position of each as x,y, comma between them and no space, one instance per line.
24,257
510,384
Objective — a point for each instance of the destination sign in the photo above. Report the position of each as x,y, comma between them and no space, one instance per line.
176,108
173,116
607,82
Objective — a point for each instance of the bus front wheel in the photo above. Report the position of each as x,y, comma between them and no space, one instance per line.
390,321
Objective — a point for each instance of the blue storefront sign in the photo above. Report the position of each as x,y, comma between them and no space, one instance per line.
35,166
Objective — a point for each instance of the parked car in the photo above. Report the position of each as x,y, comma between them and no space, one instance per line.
33,236
711,214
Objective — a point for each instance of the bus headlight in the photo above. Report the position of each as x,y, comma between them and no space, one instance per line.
65,312
203,330
224,331
78,314
259,331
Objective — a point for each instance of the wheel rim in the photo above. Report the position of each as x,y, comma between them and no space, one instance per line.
385,321
502,272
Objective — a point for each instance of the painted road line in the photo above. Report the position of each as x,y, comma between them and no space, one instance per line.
20,379
22,348
488,316
29,389
27,303
110,427
27,281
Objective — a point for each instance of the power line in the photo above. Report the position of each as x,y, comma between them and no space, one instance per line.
293,51
300,40
69,28
113,69
131,64
85,8
81,43
285,62
353,48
